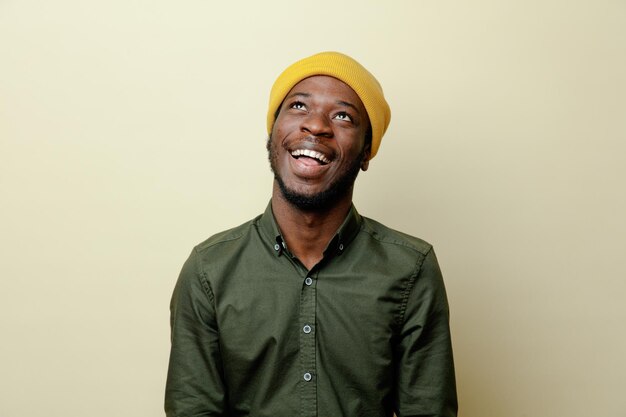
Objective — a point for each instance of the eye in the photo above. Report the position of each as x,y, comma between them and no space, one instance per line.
343,116
298,105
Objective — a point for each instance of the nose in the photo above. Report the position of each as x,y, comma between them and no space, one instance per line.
317,124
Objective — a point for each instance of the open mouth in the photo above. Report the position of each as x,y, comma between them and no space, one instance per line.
310,157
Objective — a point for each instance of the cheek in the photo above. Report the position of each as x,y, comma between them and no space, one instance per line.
277,132
286,123
355,143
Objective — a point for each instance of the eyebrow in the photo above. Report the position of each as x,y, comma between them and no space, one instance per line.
341,102
299,94
345,103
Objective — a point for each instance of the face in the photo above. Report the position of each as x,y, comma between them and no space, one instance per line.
317,145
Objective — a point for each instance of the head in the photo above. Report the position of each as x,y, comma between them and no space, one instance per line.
326,118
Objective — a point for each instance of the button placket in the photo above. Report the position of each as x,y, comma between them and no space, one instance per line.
308,386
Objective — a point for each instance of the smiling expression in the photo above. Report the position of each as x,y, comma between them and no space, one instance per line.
317,144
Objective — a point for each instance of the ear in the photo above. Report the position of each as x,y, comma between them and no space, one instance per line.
365,163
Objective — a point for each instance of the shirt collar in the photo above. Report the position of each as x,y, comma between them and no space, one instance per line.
338,244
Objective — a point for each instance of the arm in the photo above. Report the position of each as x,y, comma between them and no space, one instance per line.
195,384
425,369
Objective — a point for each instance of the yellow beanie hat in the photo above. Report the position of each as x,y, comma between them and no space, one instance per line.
345,69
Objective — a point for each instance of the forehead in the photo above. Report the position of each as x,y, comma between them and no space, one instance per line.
325,87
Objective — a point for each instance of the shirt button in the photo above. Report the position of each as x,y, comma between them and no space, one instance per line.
341,246
307,377
306,329
277,247
308,281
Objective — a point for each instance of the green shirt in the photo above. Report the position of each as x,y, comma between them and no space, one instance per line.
363,333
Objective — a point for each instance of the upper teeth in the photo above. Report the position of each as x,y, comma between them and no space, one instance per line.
311,154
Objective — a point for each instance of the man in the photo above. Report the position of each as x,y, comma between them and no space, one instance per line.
311,309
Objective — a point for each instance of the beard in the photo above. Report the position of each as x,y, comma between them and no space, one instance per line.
324,199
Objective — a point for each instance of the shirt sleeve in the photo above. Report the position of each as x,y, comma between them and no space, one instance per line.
426,384
195,384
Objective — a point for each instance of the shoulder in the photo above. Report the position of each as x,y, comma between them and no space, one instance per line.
223,248
390,237
215,254
414,257
227,237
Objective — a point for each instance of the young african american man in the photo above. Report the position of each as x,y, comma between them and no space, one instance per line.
311,309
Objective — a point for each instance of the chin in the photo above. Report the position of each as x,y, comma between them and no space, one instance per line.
316,201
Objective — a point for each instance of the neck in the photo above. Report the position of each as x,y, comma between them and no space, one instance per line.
307,233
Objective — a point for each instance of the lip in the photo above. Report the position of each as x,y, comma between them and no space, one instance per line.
311,144
305,171
300,168
318,156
